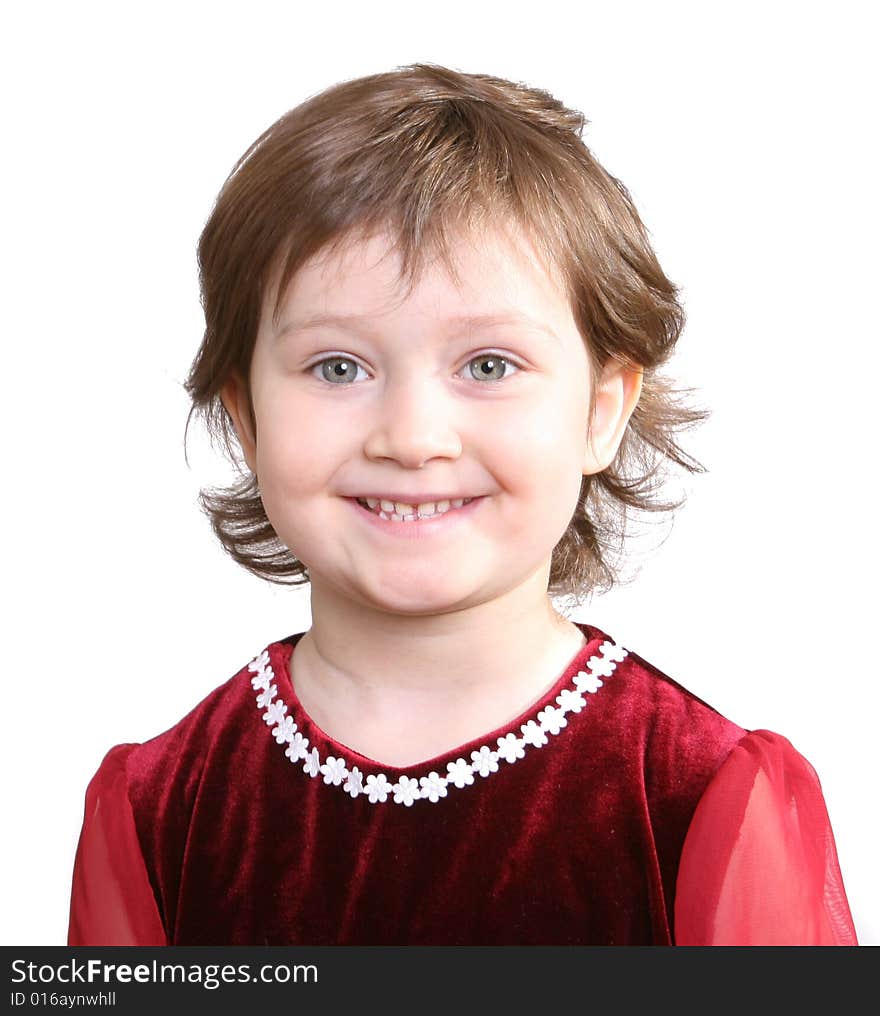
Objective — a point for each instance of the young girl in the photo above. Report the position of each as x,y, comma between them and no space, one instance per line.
434,328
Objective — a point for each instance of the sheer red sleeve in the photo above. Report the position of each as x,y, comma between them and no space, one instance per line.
759,864
112,902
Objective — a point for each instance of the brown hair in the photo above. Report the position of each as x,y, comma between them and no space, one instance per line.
420,152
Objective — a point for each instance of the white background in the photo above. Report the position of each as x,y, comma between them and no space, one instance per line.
744,132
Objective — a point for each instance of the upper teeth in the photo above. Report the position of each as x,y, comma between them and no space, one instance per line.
403,510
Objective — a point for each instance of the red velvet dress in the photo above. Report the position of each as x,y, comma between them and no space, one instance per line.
618,810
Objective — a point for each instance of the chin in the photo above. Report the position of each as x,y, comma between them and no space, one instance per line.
412,598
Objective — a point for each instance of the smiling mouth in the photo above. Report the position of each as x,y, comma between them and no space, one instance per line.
395,511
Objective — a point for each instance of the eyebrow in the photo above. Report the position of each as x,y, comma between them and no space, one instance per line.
358,322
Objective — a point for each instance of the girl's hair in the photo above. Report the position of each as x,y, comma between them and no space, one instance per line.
420,153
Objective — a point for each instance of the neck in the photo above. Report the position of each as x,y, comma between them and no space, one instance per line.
365,675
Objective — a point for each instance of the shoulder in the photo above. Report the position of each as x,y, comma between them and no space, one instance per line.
664,721
669,741
171,764
678,717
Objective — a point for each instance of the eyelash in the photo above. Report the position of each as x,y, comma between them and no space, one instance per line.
480,356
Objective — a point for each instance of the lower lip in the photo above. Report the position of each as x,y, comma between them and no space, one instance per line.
420,528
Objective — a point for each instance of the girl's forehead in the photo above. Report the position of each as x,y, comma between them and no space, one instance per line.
494,267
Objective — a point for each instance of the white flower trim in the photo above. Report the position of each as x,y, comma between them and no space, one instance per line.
376,787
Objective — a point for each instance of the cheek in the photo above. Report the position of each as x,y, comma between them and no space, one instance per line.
537,454
551,438
550,457
296,448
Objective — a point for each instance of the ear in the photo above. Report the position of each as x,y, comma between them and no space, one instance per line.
236,400
616,397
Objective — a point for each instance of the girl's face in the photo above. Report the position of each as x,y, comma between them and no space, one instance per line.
451,393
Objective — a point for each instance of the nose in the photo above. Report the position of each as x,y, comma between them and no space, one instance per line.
414,424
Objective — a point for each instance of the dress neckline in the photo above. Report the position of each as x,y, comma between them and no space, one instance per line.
318,754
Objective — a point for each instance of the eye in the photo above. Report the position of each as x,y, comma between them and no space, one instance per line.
493,367
342,370
337,369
